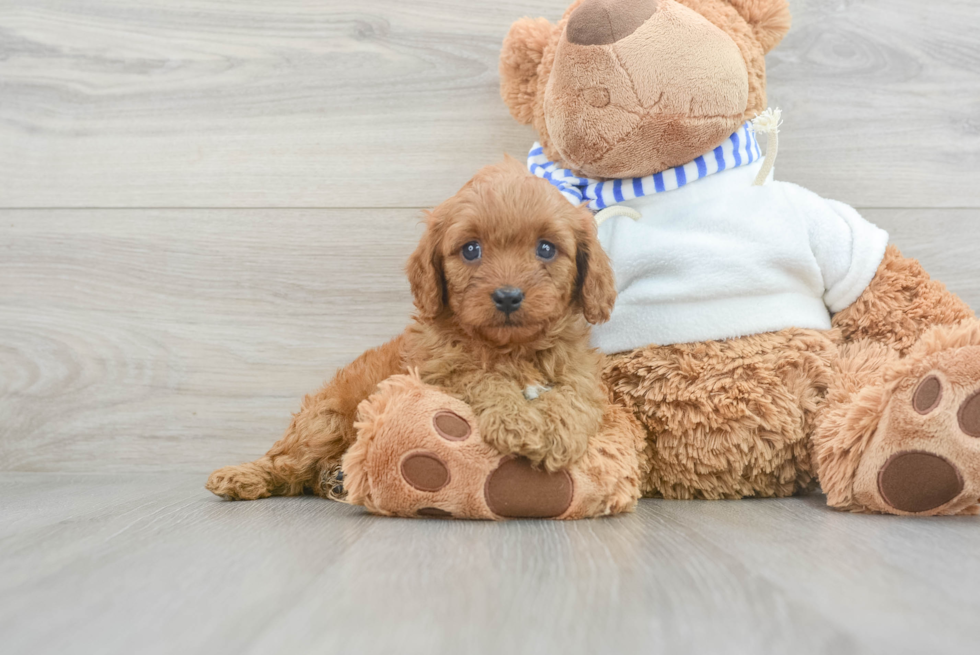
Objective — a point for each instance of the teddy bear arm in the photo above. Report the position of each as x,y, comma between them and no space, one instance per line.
900,304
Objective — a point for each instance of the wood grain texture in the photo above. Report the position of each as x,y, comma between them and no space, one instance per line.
183,339
324,103
880,100
143,344
129,338
154,564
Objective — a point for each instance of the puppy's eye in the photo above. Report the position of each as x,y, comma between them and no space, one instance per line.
546,250
471,251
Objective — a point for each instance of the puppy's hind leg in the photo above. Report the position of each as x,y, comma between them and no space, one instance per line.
317,437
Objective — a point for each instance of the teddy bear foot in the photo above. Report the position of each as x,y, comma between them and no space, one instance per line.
923,456
419,454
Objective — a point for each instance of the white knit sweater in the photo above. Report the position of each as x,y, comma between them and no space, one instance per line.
720,258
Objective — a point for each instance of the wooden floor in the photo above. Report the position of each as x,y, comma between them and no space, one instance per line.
111,563
205,208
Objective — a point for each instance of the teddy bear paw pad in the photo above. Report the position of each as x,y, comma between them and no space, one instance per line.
917,481
515,489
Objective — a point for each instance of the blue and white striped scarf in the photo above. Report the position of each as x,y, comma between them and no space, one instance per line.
739,149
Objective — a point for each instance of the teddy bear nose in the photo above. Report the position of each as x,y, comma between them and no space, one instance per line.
601,22
508,299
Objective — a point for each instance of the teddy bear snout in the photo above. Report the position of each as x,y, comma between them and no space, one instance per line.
601,22
671,87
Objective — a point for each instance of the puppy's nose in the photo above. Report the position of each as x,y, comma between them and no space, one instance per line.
507,299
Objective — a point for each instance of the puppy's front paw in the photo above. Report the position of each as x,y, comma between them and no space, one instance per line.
244,482
549,449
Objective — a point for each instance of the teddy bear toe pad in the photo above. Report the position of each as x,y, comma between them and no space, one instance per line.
968,415
450,425
425,471
927,395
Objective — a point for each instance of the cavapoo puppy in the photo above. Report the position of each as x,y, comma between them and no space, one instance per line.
490,404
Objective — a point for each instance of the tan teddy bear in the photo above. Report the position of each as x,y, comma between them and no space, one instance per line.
763,336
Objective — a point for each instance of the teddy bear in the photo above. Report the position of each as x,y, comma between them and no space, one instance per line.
766,339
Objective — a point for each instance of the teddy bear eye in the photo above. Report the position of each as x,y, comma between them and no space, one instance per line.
546,250
471,251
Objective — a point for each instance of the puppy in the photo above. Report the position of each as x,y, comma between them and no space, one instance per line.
505,279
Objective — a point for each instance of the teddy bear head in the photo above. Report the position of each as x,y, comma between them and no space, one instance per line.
628,88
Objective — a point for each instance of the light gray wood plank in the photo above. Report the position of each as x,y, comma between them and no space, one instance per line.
879,100
183,339
846,564
385,103
153,564
944,241
131,338
202,103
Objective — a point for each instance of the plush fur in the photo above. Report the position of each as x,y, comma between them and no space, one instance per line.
770,414
727,419
766,414
901,303
869,416
461,344
672,89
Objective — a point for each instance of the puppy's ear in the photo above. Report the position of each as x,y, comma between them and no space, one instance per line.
425,274
596,284
520,57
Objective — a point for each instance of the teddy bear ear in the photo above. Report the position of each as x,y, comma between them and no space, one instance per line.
520,58
770,19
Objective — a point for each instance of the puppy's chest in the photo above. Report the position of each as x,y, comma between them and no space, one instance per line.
471,381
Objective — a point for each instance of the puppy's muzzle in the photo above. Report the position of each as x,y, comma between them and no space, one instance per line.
507,299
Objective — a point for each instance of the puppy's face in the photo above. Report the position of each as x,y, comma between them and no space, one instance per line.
510,274
508,257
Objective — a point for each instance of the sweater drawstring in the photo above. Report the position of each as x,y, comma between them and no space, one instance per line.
768,122
616,210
